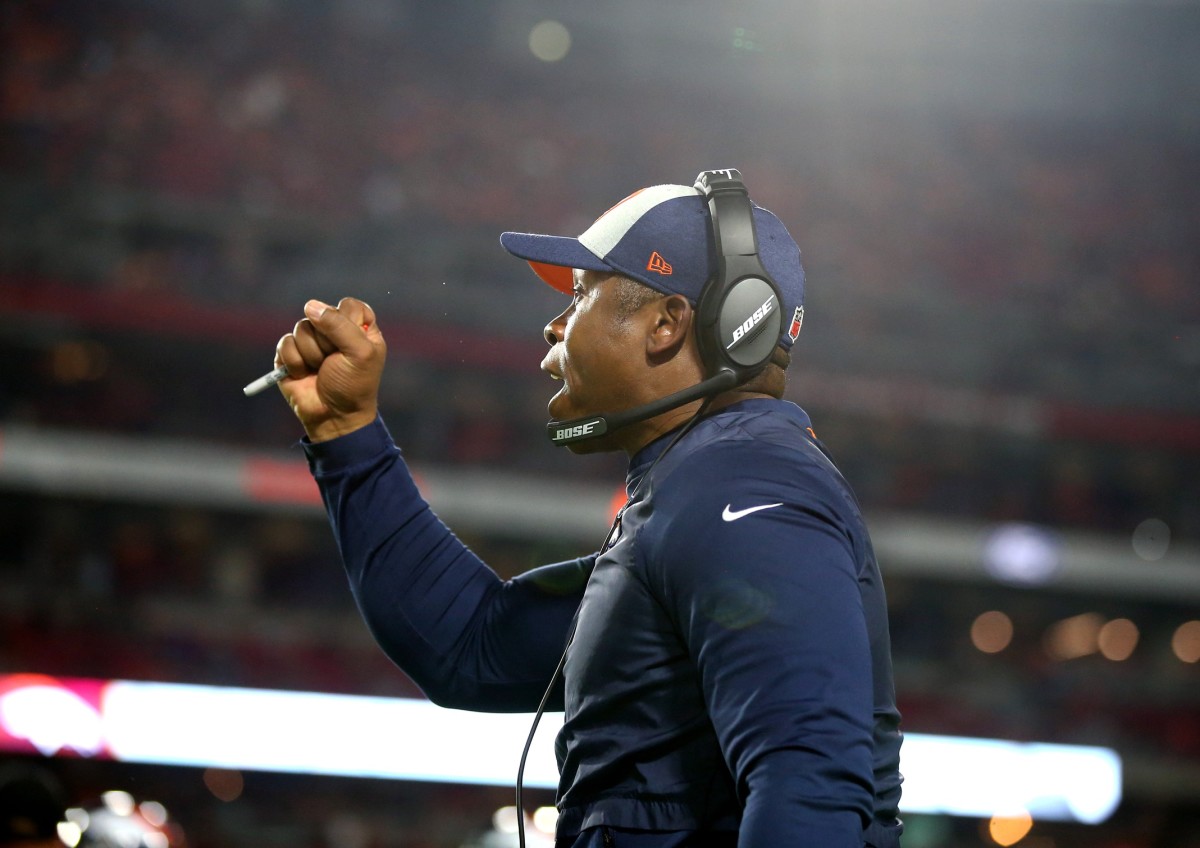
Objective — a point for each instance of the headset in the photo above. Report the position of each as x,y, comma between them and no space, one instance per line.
739,314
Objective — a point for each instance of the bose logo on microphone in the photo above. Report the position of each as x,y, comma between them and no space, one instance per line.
575,432
753,321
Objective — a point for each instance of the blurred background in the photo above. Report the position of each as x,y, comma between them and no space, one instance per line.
998,203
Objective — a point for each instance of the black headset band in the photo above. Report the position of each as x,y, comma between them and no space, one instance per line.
731,212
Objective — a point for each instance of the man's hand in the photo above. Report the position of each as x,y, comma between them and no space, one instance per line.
334,359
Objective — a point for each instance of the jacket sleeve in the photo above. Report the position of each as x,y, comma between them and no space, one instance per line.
467,638
768,604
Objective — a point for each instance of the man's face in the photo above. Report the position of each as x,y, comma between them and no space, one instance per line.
595,351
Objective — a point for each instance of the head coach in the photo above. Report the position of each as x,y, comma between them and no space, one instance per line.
723,660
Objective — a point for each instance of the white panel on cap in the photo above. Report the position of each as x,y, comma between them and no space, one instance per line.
602,236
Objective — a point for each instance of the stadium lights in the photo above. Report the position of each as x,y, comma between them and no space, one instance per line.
409,739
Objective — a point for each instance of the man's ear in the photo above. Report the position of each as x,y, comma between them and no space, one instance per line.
672,320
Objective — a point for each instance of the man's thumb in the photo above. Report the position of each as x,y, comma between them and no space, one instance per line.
314,309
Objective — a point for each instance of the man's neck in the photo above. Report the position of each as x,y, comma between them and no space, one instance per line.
637,436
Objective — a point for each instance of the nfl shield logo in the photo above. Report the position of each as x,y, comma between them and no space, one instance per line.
797,320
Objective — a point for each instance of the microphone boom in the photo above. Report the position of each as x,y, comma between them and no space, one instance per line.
581,429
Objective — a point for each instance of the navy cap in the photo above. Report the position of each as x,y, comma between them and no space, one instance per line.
661,237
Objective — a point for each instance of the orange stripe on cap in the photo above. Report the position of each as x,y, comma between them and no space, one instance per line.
556,276
622,200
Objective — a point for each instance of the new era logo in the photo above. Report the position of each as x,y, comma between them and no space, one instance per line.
659,265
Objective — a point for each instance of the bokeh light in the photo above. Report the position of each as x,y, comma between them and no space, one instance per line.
545,818
1152,539
991,632
550,41
1022,553
1009,830
119,801
747,40
69,833
504,820
153,812
1186,642
1074,637
1117,639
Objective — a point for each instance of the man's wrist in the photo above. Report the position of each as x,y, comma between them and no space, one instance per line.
341,426
335,456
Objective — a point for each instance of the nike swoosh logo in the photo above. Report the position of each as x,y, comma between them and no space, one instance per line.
734,514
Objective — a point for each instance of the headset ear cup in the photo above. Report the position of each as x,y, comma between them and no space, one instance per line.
749,324
739,324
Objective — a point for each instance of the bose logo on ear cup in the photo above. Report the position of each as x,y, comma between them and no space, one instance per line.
753,321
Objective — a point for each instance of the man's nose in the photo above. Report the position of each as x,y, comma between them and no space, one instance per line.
553,331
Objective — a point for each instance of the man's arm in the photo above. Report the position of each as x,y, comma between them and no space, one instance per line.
769,606
467,638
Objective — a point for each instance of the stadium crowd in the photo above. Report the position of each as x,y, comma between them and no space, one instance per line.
187,160
1062,252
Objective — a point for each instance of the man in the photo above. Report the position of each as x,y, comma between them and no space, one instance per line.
727,673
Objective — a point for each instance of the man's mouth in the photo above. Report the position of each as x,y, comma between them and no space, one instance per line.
550,369
551,366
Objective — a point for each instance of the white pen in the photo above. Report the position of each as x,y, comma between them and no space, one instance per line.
265,381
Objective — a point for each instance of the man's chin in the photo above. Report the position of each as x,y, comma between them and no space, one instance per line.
559,407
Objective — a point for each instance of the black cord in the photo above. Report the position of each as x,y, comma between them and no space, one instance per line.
529,739
562,661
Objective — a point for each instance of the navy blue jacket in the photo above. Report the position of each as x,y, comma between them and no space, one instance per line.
729,677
